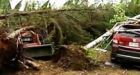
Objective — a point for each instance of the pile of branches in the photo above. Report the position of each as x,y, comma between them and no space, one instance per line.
69,27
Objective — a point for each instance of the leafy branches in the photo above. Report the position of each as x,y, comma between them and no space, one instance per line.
120,14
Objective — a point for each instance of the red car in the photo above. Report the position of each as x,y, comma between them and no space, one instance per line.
126,44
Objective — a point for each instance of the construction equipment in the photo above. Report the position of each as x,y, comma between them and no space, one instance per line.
33,44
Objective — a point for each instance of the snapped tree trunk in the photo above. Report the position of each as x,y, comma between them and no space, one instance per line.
103,37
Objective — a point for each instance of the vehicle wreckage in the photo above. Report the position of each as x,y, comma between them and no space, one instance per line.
33,43
125,41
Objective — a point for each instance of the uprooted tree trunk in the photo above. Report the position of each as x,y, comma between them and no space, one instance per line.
10,51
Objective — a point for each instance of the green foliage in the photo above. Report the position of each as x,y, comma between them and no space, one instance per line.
46,5
97,55
79,26
79,22
132,8
72,30
65,26
91,53
75,4
120,14
4,6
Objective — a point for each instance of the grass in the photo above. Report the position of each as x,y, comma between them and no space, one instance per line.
98,55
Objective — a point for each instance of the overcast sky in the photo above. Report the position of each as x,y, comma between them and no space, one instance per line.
54,3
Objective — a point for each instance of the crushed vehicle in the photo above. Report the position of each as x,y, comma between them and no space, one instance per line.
35,43
126,44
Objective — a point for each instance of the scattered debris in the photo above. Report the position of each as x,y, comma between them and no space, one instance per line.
107,63
99,49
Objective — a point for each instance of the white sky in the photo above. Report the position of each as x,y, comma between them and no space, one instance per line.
58,3
54,3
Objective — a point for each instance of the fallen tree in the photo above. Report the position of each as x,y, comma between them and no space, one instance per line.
102,37
134,20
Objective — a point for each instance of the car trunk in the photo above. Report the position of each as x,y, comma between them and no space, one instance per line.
128,39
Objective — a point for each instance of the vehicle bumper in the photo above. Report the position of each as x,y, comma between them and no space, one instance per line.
40,50
124,53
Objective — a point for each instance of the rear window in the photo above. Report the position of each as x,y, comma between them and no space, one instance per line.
131,26
128,34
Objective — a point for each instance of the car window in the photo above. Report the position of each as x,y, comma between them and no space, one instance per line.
128,34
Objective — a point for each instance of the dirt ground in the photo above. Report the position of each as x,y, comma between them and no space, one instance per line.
50,68
47,68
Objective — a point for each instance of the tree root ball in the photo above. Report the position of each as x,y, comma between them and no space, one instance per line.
7,51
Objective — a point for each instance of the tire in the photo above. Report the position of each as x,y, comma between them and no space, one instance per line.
113,58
